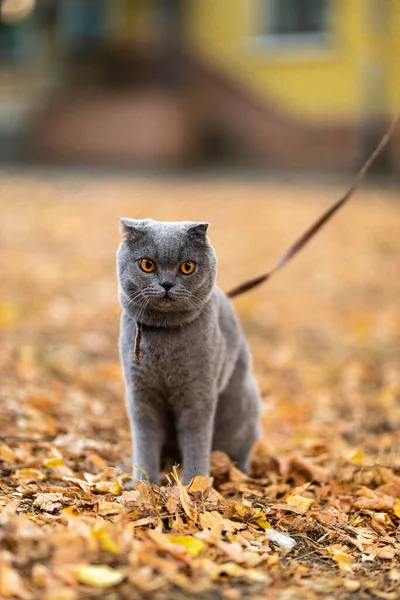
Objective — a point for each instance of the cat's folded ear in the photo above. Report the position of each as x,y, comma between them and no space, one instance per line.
198,231
131,228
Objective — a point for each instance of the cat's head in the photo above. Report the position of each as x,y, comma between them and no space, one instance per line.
166,271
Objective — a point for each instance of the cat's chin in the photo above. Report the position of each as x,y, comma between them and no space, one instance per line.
166,312
165,304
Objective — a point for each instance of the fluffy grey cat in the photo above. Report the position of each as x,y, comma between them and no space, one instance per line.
192,389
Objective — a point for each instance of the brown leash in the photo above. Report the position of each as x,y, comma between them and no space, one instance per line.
138,338
315,227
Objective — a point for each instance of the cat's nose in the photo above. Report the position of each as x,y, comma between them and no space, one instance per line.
167,285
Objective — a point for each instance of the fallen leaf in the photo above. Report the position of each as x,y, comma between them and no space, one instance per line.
200,484
183,494
231,569
50,463
8,315
50,502
192,545
28,475
108,487
106,542
11,583
260,518
300,501
355,456
342,558
386,553
100,576
108,508
6,453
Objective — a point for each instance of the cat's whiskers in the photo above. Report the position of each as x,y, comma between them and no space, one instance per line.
141,309
198,297
135,296
192,305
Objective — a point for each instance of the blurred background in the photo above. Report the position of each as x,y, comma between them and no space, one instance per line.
175,83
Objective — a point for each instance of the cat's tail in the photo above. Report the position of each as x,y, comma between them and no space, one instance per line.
316,226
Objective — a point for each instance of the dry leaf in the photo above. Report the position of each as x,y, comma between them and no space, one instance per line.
386,553
342,558
100,576
108,508
28,475
192,545
105,540
200,484
184,496
11,583
6,453
50,463
50,502
300,501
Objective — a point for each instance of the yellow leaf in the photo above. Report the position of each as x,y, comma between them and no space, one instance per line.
260,519
29,475
11,583
208,520
192,545
105,540
241,510
301,501
8,315
109,508
70,510
200,484
355,457
116,488
50,463
397,508
6,453
100,576
344,560
108,487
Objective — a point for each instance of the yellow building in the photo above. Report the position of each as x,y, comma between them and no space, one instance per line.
322,65
338,61
303,83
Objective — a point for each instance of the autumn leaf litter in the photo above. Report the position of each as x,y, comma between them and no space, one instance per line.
319,513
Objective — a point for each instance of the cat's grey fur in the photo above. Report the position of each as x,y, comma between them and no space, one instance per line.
192,389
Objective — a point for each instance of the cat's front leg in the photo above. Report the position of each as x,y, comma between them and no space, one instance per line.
147,428
195,425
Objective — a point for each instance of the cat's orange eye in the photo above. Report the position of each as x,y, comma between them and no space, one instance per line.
187,267
147,265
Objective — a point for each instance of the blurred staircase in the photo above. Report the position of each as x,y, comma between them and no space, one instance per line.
159,107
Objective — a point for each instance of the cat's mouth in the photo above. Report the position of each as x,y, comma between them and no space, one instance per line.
164,302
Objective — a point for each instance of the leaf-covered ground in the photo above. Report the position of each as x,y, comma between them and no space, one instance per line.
325,335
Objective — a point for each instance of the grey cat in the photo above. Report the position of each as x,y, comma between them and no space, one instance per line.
192,389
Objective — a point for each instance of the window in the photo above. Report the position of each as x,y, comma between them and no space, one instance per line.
16,42
81,21
294,18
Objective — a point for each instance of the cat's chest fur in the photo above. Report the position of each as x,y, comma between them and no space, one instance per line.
171,358
176,358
